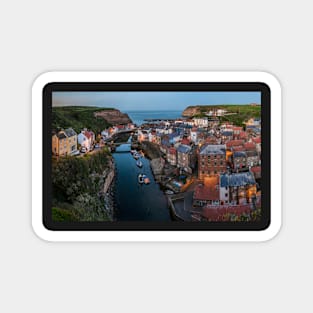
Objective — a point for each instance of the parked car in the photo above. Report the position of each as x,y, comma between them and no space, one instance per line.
97,146
83,150
75,153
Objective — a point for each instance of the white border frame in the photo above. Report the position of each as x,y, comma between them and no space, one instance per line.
276,148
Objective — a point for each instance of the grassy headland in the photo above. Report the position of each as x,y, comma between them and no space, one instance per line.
78,118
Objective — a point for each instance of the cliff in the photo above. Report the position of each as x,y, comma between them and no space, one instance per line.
80,117
113,116
191,111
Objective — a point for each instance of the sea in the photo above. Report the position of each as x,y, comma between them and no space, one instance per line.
138,117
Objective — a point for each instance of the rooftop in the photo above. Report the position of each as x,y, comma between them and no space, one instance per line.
213,149
183,149
70,132
237,179
208,190
240,154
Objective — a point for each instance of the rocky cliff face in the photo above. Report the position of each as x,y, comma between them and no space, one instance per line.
113,116
191,111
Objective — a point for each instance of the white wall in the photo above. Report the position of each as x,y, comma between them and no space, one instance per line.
37,276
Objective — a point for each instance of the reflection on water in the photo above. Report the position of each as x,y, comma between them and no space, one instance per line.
135,201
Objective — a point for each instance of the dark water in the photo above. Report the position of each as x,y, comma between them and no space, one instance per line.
134,201
138,117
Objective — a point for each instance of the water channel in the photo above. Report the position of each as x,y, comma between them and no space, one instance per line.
134,201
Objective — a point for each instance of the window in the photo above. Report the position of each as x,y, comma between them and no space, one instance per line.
226,194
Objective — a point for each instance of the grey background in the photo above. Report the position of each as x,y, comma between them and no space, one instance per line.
38,36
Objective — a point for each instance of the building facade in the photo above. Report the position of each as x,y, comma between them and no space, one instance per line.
64,142
211,160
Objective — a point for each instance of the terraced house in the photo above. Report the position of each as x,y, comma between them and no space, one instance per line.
211,160
64,142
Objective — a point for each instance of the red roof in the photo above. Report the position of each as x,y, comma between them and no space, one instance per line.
194,129
233,143
242,135
88,134
208,191
238,148
249,146
256,140
185,141
172,150
216,213
120,126
256,169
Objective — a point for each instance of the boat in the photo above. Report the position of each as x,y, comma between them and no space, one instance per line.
140,179
136,155
146,179
139,163
133,151
169,192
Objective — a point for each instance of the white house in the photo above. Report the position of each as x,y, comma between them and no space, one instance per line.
201,121
86,139
194,135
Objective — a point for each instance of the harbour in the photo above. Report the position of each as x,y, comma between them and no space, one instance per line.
135,200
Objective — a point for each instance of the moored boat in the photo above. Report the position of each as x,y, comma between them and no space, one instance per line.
139,163
146,179
140,179
136,155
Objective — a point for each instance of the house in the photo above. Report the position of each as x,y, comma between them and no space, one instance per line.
224,212
174,137
64,142
237,130
213,122
105,133
256,170
194,135
158,137
143,135
165,144
207,193
237,188
253,158
234,143
211,160
184,156
254,122
201,122
171,156
211,139
185,141
239,160
227,134
243,135
258,142
86,139
152,136
250,146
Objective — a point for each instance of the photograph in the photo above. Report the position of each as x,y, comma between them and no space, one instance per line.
156,156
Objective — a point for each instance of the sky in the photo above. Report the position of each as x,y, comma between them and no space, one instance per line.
150,101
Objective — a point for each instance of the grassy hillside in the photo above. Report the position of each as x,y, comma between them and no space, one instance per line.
241,113
78,118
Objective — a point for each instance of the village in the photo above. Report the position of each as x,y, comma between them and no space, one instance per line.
209,170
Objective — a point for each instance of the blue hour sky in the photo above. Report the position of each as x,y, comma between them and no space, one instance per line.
146,101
